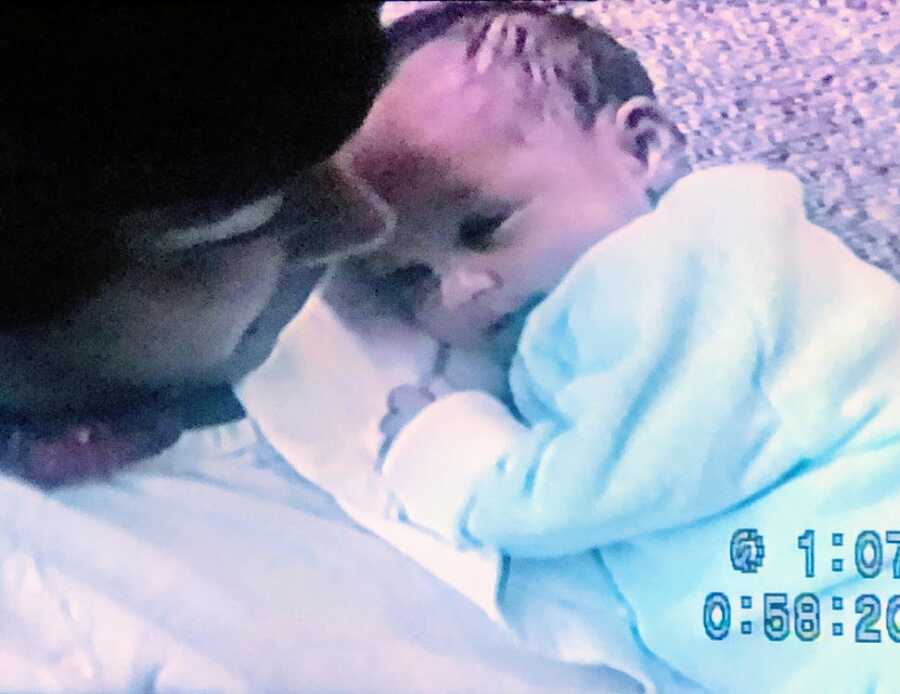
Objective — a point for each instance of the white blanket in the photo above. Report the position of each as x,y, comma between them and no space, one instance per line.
214,568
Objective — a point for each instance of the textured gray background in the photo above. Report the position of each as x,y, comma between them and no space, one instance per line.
812,86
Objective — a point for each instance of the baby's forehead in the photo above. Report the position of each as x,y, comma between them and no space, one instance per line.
439,65
437,93
449,126
438,88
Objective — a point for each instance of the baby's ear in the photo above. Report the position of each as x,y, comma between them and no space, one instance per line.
646,132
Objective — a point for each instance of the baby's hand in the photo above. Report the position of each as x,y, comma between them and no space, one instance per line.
404,402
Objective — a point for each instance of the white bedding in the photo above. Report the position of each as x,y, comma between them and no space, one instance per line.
215,568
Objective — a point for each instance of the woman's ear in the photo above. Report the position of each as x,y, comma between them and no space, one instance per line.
647,134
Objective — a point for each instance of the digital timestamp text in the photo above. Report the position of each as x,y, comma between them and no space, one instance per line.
870,554
717,617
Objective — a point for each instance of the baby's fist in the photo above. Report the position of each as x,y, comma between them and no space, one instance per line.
404,402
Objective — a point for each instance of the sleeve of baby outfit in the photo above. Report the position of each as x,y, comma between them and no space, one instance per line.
693,359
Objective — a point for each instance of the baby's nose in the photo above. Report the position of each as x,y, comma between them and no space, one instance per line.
329,212
463,284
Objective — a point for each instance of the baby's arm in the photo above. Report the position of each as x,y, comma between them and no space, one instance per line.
677,371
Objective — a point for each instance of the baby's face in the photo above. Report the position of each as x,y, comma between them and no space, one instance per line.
482,181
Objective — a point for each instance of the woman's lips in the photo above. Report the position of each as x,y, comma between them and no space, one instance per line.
85,451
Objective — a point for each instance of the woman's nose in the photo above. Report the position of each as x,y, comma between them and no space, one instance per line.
329,212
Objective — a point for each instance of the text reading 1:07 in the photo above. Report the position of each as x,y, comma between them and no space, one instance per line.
868,553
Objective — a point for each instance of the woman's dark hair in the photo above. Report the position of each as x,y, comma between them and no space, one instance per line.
107,110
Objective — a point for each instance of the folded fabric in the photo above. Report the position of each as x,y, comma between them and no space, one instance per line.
716,364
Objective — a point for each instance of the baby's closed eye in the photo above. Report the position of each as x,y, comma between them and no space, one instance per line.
476,232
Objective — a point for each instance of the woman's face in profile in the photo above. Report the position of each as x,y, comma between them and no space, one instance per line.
196,304
196,105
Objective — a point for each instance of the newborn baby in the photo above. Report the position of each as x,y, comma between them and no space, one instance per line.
719,363
508,141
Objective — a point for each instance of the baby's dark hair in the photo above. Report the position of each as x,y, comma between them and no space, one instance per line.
589,66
